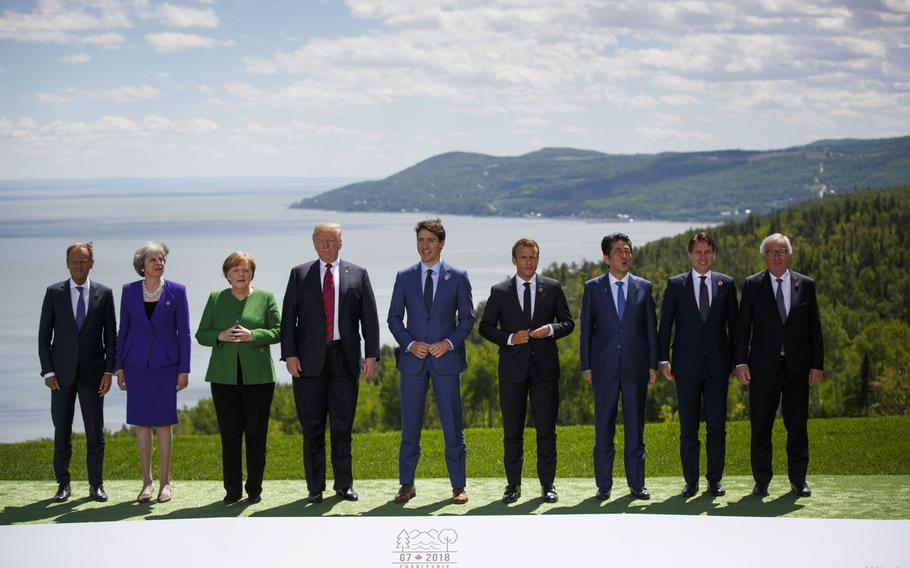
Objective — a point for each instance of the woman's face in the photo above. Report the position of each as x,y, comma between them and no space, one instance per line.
154,265
240,276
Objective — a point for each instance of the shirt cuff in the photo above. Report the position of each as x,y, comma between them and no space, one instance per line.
509,340
662,362
408,348
740,365
451,345
47,375
550,325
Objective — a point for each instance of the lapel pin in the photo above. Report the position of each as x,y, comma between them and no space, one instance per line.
167,303
447,276
540,289
796,284
720,283
637,286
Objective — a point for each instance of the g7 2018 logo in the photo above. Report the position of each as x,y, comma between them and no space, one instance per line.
425,549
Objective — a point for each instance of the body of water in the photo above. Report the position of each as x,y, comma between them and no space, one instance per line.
202,222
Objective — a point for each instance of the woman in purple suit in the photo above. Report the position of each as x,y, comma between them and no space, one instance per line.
153,360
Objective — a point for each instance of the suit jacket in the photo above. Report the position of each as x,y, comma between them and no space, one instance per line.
451,317
303,317
503,316
63,347
759,333
613,349
161,341
698,346
259,314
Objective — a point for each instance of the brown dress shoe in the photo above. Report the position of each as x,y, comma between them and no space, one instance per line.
405,493
459,496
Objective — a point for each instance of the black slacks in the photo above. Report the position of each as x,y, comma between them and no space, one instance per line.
63,409
513,401
243,412
332,395
792,394
696,396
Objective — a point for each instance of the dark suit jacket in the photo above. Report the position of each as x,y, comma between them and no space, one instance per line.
759,333
451,317
503,316
63,347
613,349
161,341
698,344
303,317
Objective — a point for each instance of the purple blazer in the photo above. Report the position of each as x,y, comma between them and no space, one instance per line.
161,341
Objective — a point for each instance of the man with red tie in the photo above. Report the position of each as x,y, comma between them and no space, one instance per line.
325,302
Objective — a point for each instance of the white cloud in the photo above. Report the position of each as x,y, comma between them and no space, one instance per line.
64,21
53,98
530,121
170,42
76,58
130,93
186,17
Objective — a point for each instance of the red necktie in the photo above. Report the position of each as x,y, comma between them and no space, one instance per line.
328,300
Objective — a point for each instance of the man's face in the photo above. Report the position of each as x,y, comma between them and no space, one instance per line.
80,262
776,257
619,259
702,257
525,261
327,245
429,247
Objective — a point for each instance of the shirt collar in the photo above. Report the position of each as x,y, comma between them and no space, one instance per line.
519,281
785,277
696,275
85,285
322,264
424,267
614,280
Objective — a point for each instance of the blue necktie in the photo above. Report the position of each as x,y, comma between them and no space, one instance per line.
781,306
428,290
620,301
80,309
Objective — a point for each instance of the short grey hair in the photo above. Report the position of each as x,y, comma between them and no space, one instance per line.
143,252
334,227
776,237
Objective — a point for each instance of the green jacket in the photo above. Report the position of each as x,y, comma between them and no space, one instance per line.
259,314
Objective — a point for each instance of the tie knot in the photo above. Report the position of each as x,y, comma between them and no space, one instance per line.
702,278
527,284
620,284
429,272
328,266
79,288
780,281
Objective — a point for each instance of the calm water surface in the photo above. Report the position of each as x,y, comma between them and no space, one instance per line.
202,222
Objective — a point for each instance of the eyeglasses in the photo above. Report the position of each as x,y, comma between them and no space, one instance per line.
777,253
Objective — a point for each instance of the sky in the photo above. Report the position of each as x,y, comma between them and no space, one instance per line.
361,88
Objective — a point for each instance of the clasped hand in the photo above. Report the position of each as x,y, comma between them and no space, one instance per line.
420,349
235,334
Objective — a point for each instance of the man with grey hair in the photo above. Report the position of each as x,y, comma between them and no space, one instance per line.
76,342
779,353
325,302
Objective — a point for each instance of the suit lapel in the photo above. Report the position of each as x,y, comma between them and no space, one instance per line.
344,273
418,287
689,293
166,298
538,298
795,291
67,295
605,286
93,299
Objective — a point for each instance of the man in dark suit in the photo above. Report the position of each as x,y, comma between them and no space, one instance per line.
325,302
436,297
525,315
701,304
618,356
779,353
76,343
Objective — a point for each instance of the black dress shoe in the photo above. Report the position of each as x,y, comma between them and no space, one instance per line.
314,497
801,489
548,492
689,489
511,494
97,493
760,489
347,494
642,493
229,498
63,493
255,498
602,494
716,488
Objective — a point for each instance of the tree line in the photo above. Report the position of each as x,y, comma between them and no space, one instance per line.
856,247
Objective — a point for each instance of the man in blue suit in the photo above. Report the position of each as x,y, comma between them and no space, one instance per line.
436,297
701,304
618,357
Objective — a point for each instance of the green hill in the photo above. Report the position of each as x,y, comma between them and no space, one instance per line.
708,186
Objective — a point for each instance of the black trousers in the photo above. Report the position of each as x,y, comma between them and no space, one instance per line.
332,395
697,395
243,412
792,394
513,401
63,409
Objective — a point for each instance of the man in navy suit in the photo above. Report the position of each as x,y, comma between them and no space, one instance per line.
779,352
618,356
76,342
701,304
436,297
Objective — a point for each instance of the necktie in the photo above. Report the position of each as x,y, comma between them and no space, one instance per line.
704,304
781,307
620,301
80,308
428,290
328,301
527,302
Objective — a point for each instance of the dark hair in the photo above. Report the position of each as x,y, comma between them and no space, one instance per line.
704,238
86,245
525,243
432,225
606,245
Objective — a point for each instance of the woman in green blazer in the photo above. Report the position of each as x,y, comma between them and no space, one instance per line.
239,324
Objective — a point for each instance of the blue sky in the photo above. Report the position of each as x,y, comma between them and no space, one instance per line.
140,88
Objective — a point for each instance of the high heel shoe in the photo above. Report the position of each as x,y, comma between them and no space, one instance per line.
164,494
145,495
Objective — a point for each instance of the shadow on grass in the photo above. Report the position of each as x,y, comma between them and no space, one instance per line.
393,509
107,513
42,510
299,508
212,510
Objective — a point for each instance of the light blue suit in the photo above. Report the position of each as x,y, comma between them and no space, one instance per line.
450,318
618,353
